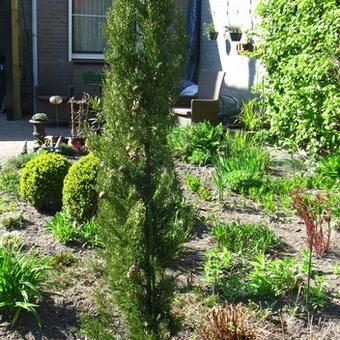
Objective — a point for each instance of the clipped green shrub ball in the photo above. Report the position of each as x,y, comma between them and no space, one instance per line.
79,194
41,181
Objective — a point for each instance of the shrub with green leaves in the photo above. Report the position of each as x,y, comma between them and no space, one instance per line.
271,278
41,181
80,194
298,46
21,279
196,143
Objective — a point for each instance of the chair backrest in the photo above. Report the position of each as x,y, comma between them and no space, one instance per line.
210,84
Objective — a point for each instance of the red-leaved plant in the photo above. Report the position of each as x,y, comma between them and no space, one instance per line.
315,210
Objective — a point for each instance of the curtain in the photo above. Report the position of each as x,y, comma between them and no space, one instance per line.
88,17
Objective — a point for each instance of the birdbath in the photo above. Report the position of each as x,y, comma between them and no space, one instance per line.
38,121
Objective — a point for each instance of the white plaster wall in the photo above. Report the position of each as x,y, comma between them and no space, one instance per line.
241,72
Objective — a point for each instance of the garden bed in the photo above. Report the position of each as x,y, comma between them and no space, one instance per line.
77,270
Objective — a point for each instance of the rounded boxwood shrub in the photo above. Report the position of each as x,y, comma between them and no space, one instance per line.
79,194
41,181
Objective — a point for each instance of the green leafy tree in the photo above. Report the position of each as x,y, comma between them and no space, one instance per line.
142,220
298,45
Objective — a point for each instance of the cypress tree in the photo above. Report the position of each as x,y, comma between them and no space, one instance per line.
143,220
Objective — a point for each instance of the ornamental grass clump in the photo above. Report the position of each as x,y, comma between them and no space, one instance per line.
142,218
41,181
21,278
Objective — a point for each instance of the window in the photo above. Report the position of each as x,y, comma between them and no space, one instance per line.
86,19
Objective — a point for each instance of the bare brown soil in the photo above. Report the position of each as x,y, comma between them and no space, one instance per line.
74,287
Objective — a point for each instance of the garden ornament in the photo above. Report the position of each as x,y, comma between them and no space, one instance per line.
56,100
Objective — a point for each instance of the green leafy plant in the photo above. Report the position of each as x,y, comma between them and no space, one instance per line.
300,90
41,181
196,144
218,262
62,227
40,117
21,279
12,220
245,239
271,278
80,194
336,268
317,293
251,115
9,181
63,259
233,29
194,185
330,167
67,230
19,161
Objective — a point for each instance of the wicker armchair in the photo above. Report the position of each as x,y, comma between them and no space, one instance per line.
206,105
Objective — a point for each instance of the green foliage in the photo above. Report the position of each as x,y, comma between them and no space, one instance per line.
336,268
62,227
237,243
208,28
218,262
317,294
12,220
245,239
21,278
67,230
19,161
63,259
9,181
197,143
80,195
271,278
11,240
142,221
298,46
194,185
330,167
41,181
242,164
68,150
251,115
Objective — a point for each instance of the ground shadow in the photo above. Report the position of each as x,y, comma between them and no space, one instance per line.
57,323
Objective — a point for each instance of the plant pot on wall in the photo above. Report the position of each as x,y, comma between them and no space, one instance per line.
235,36
213,35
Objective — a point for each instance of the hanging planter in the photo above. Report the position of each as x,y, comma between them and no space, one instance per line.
209,31
235,32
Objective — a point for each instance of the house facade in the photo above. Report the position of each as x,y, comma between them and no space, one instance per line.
61,44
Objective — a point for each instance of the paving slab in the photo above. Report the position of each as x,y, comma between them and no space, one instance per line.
13,135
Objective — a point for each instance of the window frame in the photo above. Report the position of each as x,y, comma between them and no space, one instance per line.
75,56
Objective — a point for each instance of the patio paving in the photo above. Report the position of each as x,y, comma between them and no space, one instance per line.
14,133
